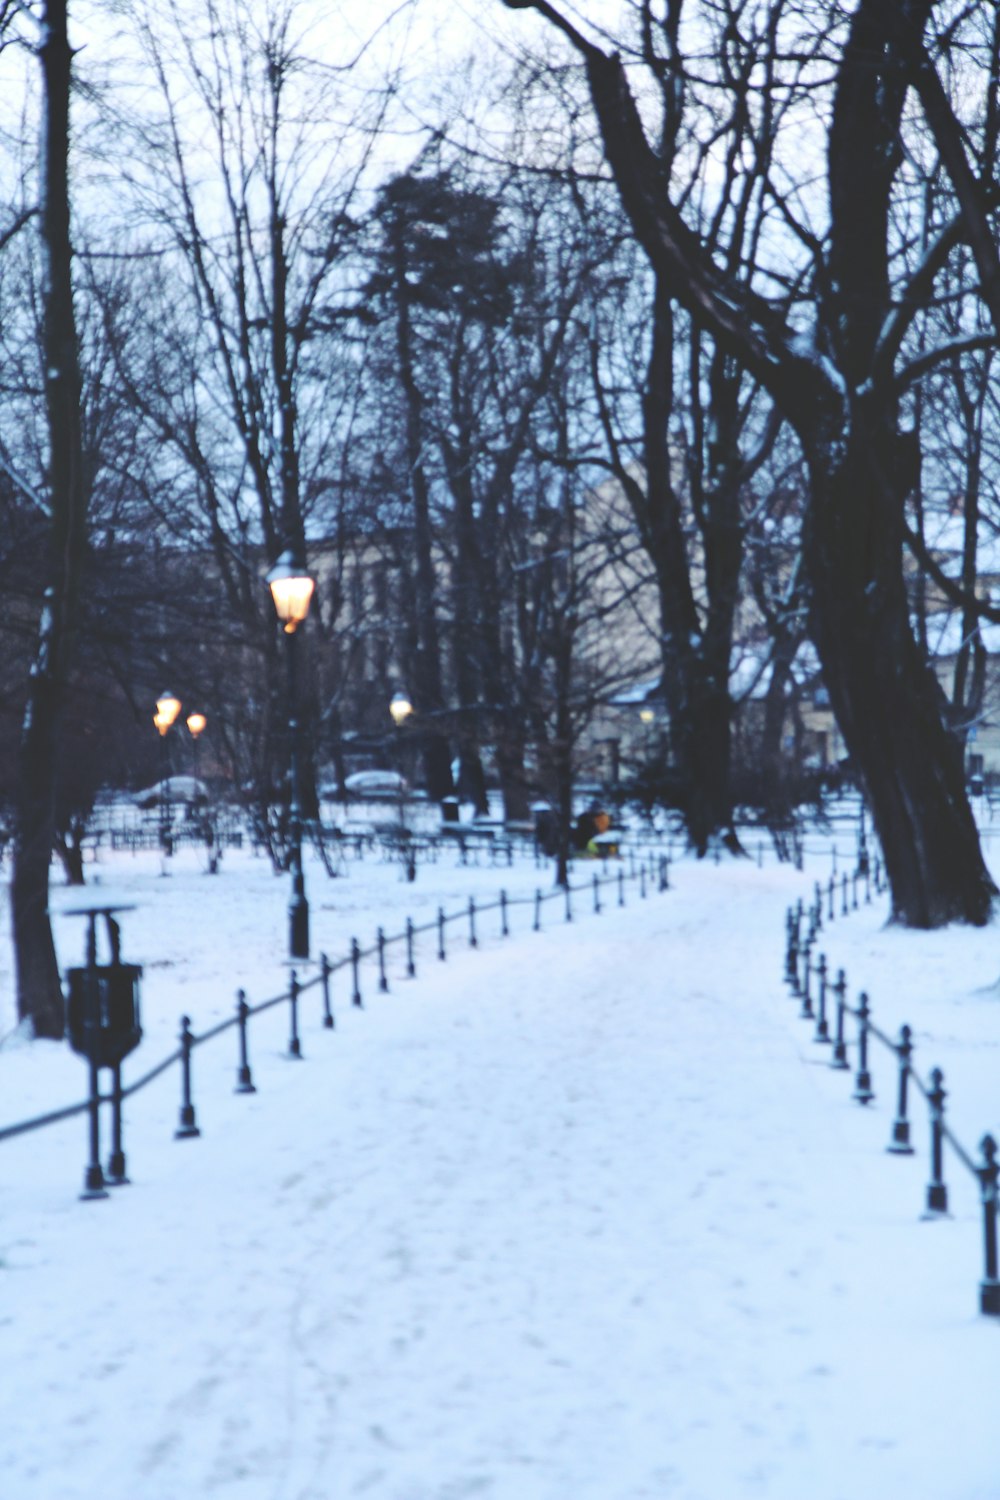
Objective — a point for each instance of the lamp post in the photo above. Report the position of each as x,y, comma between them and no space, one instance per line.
292,589
196,725
401,708
168,706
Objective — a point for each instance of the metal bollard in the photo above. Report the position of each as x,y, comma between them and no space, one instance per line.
294,1045
831,887
822,1026
411,968
844,908
621,886
537,926
355,967
597,894
569,901
937,1191
863,1091
324,970
988,1173
807,1009
244,1080
441,952
473,941
900,1143
187,1126
642,881
839,1057
383,982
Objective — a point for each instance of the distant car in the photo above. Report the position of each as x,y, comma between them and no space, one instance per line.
175,789
375,784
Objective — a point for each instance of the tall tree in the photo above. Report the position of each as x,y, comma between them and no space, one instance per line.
40,998
836,383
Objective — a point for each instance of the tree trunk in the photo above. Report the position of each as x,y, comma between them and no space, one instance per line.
886,698
429,685
703,755
39,994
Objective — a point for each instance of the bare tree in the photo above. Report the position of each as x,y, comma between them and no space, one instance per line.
832,371
40,998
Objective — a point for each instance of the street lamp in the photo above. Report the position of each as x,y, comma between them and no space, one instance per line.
292,589
168,706
196,724
401,708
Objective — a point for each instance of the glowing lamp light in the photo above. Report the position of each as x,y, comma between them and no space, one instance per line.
400,708
291,589
168,706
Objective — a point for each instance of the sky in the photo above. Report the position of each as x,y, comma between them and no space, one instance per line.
580,1212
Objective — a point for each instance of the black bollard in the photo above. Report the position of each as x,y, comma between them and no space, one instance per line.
244,1080
355,972
791,945
988,1173
411,967
900,1143
621,886
537,927
116,1161
383,982
793,964
831,887
937,1191
294,1045
863,1091
324,972
822,1026
504,929
839,1057
473,941
807,1008
597,894
854,890
844,908
569,901
642,881
93,1177
187,1126
441,952
664,872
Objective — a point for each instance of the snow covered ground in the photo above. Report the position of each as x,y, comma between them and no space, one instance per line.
583,1214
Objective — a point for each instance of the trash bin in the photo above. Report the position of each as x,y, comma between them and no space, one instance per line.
449,810
102,1012
102,1000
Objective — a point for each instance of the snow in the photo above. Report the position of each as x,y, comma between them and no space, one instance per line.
579,1213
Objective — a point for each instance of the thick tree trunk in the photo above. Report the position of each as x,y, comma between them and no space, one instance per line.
39,994
886,698
702,742
514,786
429,685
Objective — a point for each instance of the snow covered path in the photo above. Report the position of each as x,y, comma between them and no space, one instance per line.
582,1217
